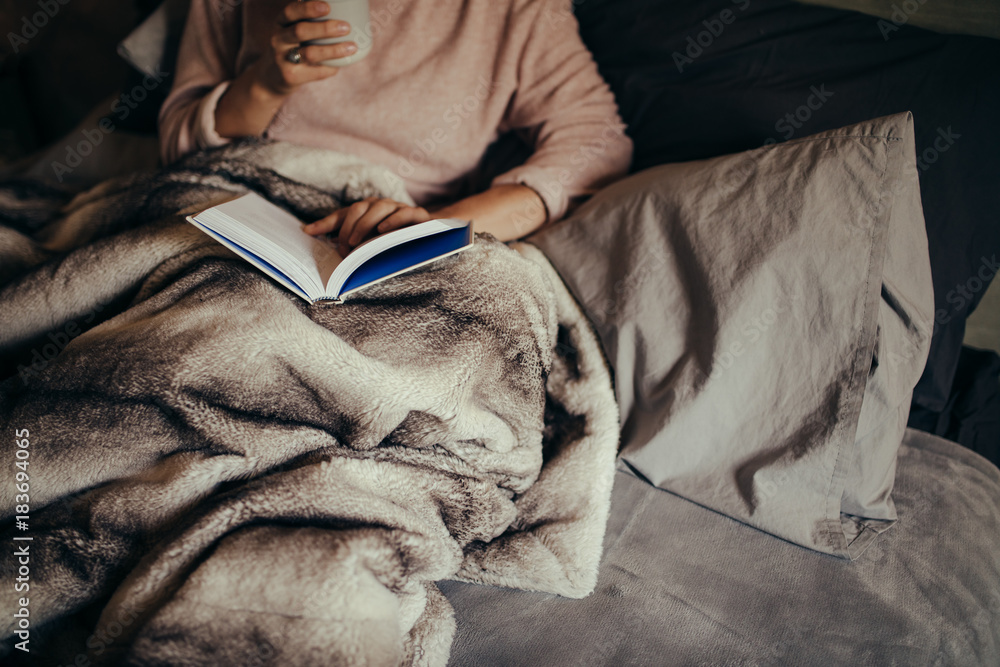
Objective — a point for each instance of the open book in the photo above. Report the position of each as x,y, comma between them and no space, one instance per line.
272,239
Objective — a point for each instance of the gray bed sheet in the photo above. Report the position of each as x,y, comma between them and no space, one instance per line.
683,585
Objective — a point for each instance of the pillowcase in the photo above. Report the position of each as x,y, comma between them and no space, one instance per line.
767,76
767,315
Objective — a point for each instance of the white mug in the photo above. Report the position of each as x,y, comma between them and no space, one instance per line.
354,12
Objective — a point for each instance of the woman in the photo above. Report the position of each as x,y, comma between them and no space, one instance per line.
443,80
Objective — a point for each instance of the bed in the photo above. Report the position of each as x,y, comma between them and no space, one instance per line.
724,472
681,585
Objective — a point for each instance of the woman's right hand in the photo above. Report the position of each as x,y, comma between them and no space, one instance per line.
279,75
250,103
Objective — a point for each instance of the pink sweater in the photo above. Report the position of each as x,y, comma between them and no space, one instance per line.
443,80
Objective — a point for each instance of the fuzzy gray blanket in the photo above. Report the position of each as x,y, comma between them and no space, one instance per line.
217,473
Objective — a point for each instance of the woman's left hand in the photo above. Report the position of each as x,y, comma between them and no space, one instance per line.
366,218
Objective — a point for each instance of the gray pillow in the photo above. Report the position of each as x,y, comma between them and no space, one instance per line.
767,315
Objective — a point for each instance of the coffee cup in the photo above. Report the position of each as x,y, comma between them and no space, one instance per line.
355,12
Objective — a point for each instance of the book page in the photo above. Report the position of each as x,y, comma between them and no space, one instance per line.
270,223
256,260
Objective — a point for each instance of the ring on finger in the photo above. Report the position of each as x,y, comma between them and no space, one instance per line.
294,55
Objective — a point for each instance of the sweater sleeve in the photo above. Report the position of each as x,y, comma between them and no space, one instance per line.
205,67
566,110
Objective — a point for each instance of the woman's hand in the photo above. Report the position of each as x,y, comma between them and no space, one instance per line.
366,218
254,97
277,73
508,212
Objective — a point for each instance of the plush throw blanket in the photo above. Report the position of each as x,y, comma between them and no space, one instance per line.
219,473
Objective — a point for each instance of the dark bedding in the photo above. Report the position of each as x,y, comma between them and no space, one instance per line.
681,585
691,85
